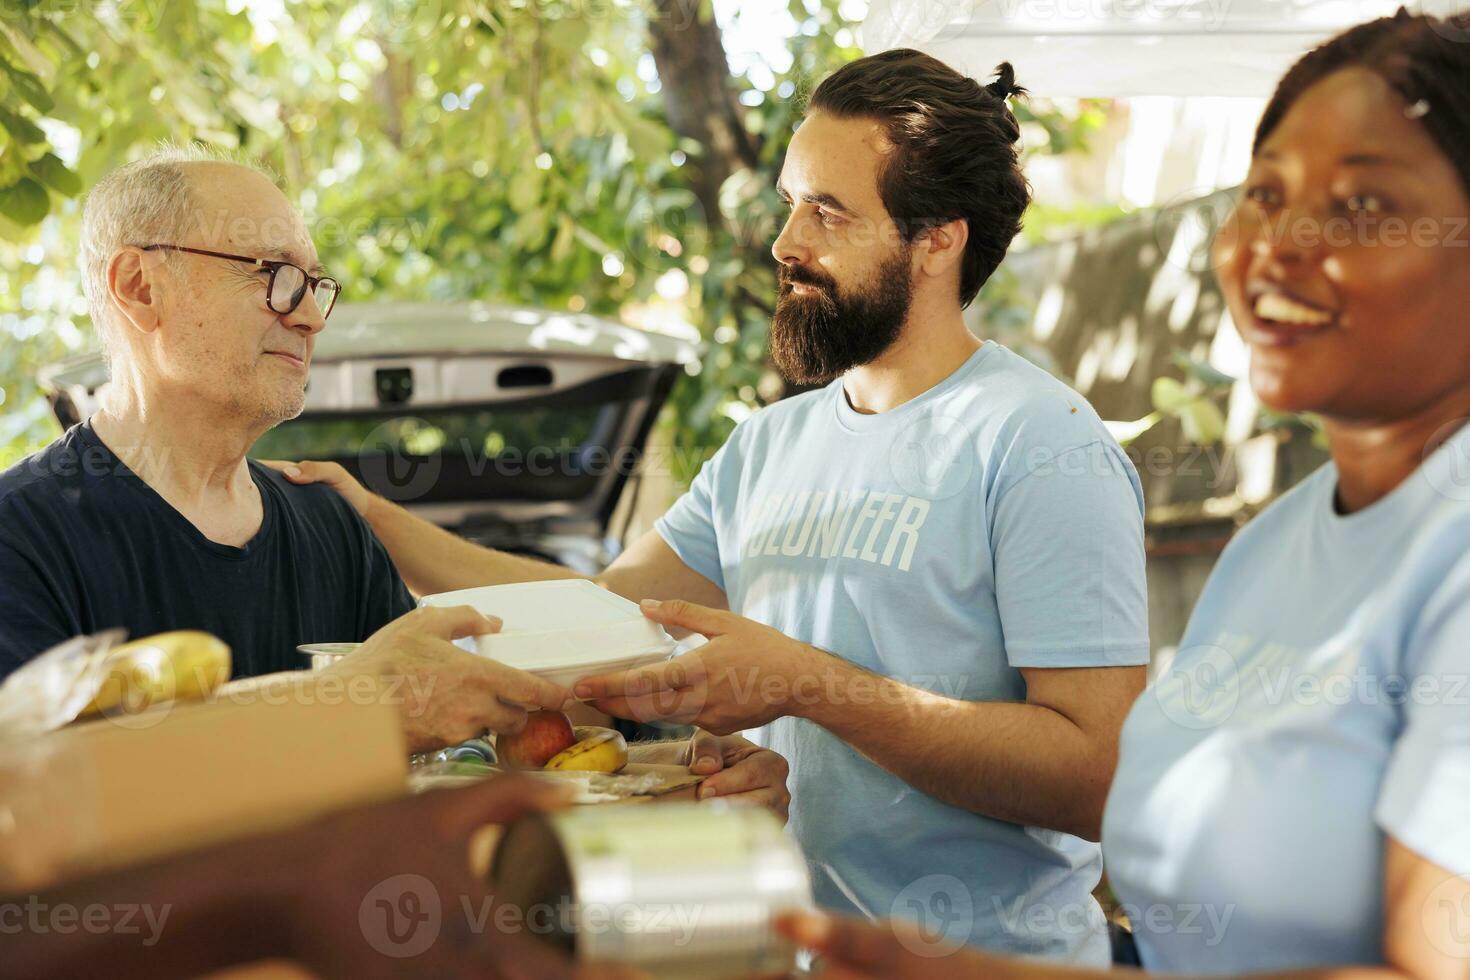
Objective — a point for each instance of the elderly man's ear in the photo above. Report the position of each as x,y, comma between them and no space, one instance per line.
132,279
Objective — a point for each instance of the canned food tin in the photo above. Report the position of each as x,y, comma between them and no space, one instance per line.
324,655
675,889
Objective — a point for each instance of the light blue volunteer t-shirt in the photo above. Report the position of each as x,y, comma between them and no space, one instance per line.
989,524
1320,700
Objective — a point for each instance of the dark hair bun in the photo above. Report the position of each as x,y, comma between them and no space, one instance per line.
1004,86
955,155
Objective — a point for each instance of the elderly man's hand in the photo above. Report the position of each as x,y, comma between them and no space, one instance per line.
738,770
444,694
331,474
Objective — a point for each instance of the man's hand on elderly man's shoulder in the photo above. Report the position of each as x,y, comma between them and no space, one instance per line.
444,694
329,474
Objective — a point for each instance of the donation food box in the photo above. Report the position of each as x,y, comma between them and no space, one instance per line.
562,630
131,787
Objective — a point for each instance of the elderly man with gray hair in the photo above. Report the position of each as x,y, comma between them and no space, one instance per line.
208,295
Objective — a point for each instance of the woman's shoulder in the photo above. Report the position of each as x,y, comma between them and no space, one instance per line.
1290,513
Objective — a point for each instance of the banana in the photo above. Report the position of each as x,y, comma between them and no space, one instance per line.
181,665
596,750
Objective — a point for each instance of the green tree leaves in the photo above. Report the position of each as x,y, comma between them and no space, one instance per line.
27,165
28,87
21,129
49,170
444,150
25,202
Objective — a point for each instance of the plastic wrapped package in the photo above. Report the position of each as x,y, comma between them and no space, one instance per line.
88,676
53,688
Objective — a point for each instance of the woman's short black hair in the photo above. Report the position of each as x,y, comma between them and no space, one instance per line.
955,155
1425,59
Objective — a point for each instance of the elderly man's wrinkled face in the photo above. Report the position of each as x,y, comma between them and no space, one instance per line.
218,340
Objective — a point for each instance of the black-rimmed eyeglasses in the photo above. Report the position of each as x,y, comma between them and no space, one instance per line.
287,285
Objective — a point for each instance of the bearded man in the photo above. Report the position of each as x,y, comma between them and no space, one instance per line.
925,580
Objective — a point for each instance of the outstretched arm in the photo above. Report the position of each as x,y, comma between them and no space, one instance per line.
304,894
432,560
429,558
1046,762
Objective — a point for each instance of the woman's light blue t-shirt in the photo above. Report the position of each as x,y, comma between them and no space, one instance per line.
987,525
1320,700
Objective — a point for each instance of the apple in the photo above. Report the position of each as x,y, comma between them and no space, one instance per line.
546,734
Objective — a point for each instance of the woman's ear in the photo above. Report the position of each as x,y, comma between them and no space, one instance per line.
132,282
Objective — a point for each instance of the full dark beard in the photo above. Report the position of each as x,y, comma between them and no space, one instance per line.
821,336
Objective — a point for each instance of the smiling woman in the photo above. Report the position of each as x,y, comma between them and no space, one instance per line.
1286,725
1348,250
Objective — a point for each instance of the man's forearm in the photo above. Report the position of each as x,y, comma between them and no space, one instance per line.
182,917
1017,762
431,559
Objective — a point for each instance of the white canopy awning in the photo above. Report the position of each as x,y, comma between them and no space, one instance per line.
1119,48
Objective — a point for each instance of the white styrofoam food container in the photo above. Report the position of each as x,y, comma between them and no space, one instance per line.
562,630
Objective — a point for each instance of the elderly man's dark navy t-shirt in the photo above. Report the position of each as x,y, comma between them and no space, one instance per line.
86,545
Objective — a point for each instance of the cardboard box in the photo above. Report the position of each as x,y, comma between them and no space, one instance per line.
115,792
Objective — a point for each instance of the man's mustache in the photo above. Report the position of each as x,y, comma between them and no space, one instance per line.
789,276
